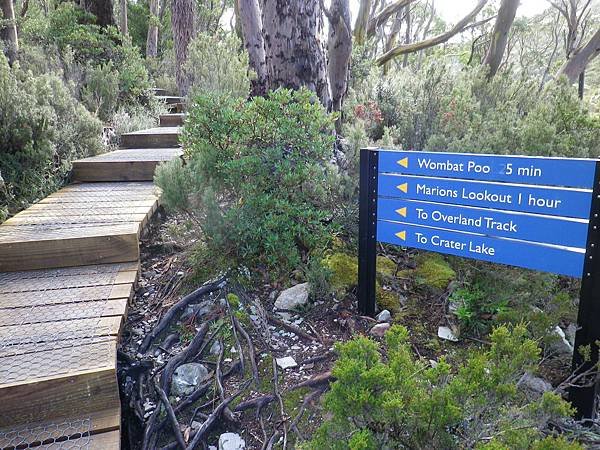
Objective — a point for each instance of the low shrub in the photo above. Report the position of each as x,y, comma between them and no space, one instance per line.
258,177
42,129
402,402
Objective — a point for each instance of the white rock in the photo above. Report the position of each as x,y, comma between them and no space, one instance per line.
570,332
379,329
231,441
447,334
293,297
384,316
286,362
215,348
561,345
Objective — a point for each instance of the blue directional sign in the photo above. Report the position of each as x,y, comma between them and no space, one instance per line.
569,172
555,259
492,222
565,202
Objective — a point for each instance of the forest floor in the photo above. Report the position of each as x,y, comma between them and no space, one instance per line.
280,403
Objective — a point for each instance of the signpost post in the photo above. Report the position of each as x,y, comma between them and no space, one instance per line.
533,212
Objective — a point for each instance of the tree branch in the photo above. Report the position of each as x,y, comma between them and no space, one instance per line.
436,40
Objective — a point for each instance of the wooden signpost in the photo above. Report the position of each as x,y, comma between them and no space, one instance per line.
533,212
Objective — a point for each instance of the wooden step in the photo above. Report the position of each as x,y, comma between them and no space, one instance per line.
172,120
170,99
50,235
161,137
123,165
97,431
176,108
58,340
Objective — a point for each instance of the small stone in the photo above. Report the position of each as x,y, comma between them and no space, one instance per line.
433,363
231,441
379,329
447,334
293,297
286,362
384,316
196,425
187,377
534,385
215,348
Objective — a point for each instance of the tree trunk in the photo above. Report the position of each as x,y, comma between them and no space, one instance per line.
182,21
504,21
251,23
294,54
339,46
238,20
393,38
362,22
382,16
102,9
579,60
152,38
8,33
124,22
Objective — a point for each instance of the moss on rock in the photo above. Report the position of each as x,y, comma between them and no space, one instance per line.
344,271
433,271
387,299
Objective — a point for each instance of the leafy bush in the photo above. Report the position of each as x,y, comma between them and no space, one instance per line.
258,176
217,65
406,403
42,129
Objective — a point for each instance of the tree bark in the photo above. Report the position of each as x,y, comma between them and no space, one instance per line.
504,21
8,33
580,59
152,38
251,24
182,21
102,9
124,21
362,22
436,40
393,38
294,54
339,47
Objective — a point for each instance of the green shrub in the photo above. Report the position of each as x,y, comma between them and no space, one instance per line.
42,129
217,65
101,90
258,177
402,402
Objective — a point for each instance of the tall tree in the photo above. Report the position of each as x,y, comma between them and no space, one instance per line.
123,21
8,33
251,25
183,24
294,54
152,38
102,9
575,66
505,19
339,48
362,21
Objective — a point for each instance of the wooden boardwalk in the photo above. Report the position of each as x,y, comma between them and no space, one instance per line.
68,269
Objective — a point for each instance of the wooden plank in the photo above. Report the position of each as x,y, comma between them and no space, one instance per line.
122,165
162,137
110,440
50,398
39,247
139,187
65,296
58,331
52,209
172,120
66,311
125,204
159,91
90,197
78,430
62,217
